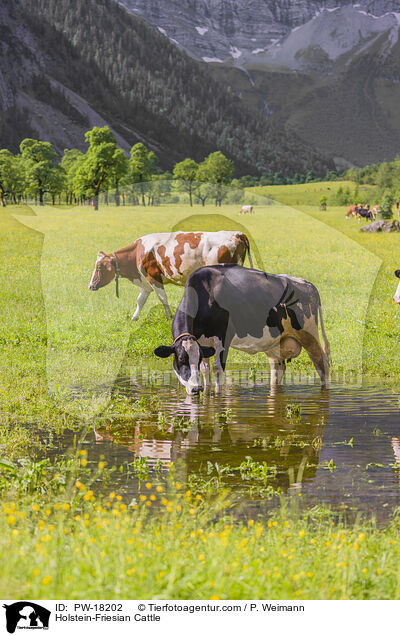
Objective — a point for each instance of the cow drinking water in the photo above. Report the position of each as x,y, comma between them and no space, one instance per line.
158,259
229,306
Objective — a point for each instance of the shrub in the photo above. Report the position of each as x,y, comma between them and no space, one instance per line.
386,205
323,202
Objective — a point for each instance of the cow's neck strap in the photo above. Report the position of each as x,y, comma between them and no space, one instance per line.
114,261
182,335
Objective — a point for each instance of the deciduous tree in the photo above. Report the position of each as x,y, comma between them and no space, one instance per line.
40,161
96,170
142,165
119,171
70,162
217,170
186,173
12,177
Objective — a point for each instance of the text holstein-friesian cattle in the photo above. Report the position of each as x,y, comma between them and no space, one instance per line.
229,306
158,259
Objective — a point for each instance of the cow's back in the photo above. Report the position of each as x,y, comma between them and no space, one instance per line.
252,299
178,254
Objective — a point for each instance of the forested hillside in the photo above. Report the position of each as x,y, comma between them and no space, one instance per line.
144,87
327,69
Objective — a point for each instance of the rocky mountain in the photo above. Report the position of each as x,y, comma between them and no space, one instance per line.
244,30
328,70
67,65
331,36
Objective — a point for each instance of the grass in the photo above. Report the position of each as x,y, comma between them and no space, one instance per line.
381,338
85,546
15,440
58,335
381,332
57,339
304,193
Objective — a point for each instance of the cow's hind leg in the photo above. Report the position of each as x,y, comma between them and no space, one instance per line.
162,297
278,368
141,301
317,356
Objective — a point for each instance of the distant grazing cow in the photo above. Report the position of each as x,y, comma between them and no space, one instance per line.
364,213
229,306
352,210
246,209
158,259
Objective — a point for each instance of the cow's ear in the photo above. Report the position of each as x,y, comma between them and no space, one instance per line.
163,351
100,254
208,351
397,273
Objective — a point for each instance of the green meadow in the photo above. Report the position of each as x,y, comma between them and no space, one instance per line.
78,338
85,546
58,339
302,194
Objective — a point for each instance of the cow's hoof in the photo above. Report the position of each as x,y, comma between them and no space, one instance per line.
134,318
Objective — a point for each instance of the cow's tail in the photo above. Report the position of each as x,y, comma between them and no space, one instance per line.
325,346
247,244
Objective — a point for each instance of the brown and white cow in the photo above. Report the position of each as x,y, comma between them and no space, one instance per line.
155,260
375,211
246,209
352,210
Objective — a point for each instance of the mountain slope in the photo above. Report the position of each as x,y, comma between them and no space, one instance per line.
45,86
350,113
328,70
88,62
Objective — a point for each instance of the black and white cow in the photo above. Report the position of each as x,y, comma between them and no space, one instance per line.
396,297
364,213
229,306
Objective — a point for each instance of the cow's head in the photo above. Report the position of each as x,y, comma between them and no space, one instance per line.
103,273
396,297
188,355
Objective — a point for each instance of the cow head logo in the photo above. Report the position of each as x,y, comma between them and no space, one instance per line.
26,615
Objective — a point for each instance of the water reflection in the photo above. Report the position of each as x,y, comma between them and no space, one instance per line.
343,450
209,430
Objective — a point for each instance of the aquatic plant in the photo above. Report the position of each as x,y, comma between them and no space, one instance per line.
293,411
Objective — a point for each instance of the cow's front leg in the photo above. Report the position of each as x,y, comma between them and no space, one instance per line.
278,368
205,371
219,363
141,301
162,297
